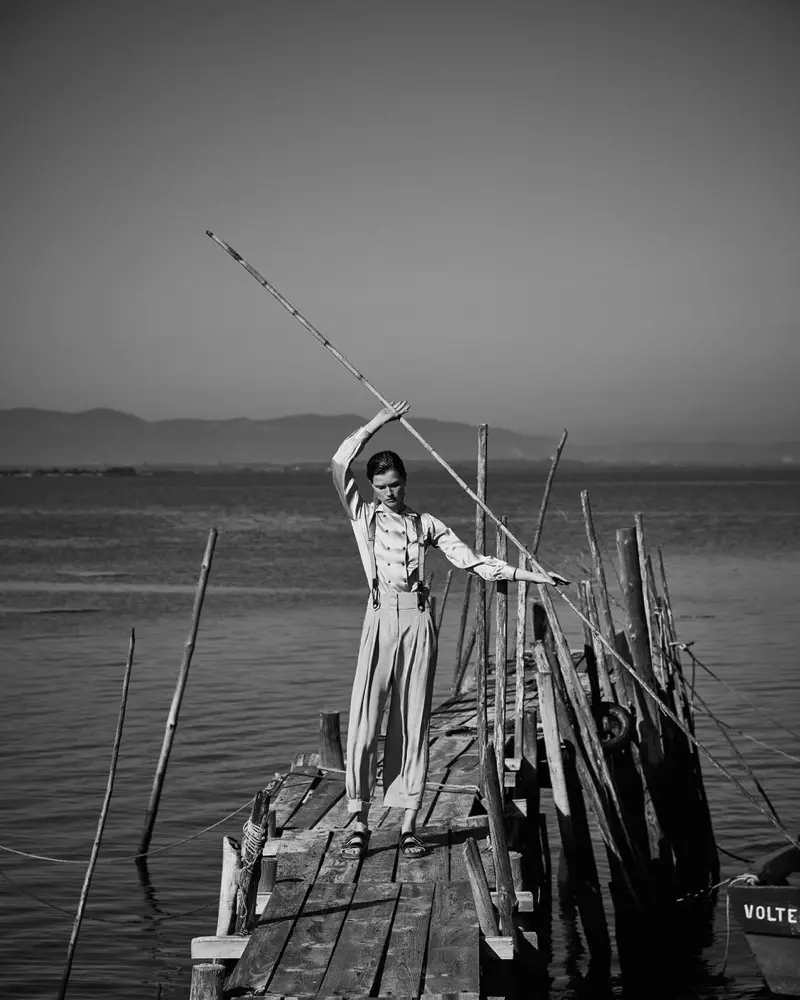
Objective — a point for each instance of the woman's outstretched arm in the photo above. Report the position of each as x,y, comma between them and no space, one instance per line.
351,448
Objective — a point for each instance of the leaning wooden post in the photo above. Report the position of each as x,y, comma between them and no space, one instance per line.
480,890
519,662
624,687
207,980
330,742
500,665
462,629
231,865
101,822
481,668
175,707
649,599
537,537
255,836
506,895
572,821
445,593
604,678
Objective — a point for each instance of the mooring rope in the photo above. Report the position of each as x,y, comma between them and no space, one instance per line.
750,879
129,857
686,648
740,732
103,920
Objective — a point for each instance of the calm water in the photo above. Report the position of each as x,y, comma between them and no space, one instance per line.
82,560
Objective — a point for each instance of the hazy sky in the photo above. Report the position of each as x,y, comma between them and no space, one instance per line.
541,215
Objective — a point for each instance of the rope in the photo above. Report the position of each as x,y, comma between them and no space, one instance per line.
101,920
129,857
739,732
671,715
751,880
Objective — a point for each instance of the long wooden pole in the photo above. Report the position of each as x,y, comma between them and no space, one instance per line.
482,663
101,822
180,687
500,664
371,388
537,537
462,628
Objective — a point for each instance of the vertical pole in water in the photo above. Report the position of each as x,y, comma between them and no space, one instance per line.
519,661
458,673
175,707
480,618
500,654
62,991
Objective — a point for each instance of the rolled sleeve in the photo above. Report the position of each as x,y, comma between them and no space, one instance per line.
463,557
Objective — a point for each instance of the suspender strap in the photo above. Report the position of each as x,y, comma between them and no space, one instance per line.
376,601
422,590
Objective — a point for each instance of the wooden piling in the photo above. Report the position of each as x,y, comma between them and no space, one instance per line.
255,836
458,672
570,812
519,661
330,741
607,692
506,896
231,866
482,637
207,980
500,664
443,600
537,536
180,687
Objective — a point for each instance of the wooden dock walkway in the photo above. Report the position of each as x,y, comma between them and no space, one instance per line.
382,925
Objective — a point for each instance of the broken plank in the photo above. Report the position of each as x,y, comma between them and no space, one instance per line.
453,942
356,959
270,934
405,955
305,958
324,796
458,866
380,858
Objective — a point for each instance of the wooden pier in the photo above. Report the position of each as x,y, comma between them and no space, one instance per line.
382,925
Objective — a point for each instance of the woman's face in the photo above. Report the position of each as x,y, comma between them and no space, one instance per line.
390,489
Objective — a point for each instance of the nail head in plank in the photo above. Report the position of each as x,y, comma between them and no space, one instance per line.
356,959
305,958
402,970
266,942
453,962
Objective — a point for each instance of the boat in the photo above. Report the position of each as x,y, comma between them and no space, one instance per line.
767,908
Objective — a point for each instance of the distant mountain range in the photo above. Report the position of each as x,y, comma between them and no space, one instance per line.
32,437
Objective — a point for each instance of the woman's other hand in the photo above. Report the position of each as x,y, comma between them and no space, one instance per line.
391,412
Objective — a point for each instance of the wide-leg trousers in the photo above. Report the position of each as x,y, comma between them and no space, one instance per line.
398,656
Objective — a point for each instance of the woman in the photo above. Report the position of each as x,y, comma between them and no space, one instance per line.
398,641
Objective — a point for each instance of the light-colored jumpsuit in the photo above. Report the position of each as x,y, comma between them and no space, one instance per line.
398,640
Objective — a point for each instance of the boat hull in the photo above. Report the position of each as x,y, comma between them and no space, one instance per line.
769,915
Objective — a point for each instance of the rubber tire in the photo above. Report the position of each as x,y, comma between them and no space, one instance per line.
622,722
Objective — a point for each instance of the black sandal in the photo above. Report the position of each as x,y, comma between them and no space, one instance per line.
411,847
355,845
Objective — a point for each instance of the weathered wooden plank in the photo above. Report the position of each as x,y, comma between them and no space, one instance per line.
437,775
451,804
386,819
292,792
334,867
266,942
434,866
326,794
300,855
381,857
305,958
402,970
452,964
336,818
354,965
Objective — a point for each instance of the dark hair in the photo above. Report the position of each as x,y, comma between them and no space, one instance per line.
382,461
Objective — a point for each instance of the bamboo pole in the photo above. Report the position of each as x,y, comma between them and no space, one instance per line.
480,890
506,895
500,665
175,707
101,822
482,665
371,388
462,628
519,663
537,536
445,592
